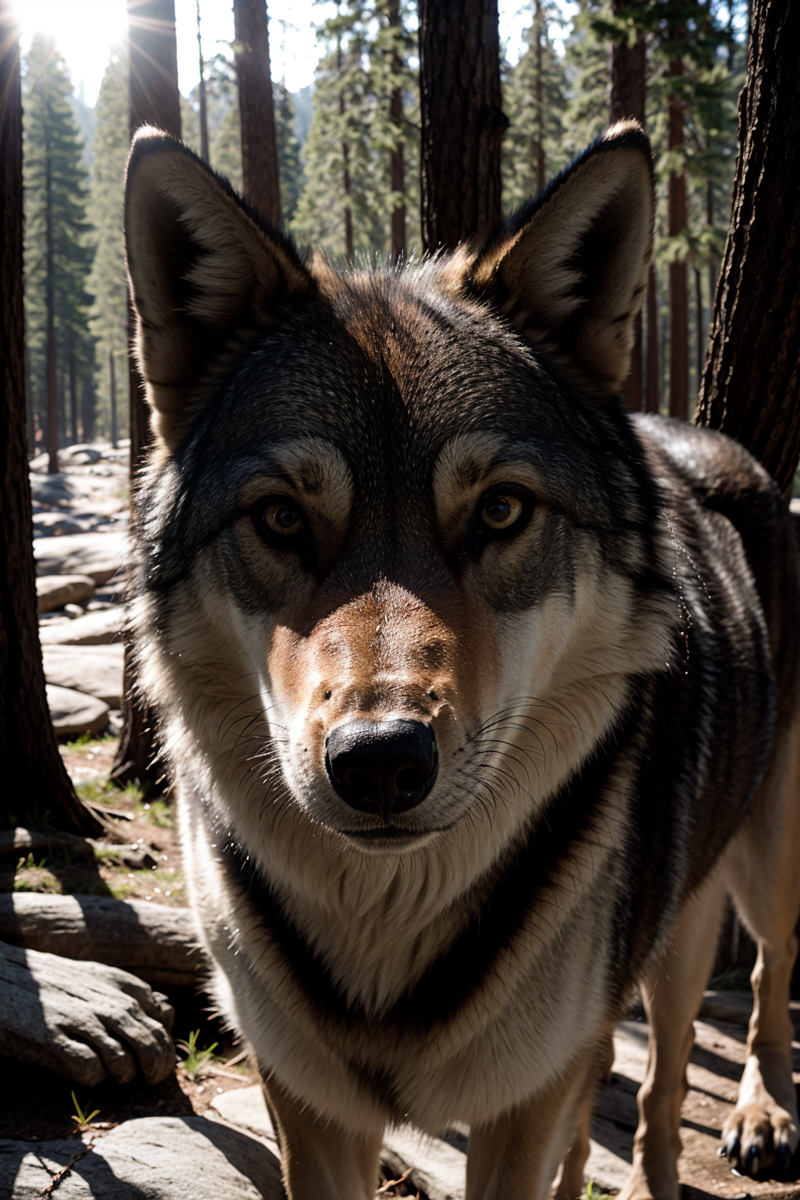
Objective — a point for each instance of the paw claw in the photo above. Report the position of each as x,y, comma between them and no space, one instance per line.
731,1149
752,1161
784,1155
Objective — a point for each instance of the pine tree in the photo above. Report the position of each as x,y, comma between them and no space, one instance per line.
107,282
534,99
337,210
58,253
290,166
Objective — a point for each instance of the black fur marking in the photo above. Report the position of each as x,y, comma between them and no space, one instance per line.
502,905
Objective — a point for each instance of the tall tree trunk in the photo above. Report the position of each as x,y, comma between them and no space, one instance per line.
52,397
203,107
112,377
751,378
33,775
538,149
154,100
50,305
256,108
73,399
678,298
462,121
626,98
397,178
652,390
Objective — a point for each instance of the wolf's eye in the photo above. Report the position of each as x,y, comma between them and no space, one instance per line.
501,511
279,519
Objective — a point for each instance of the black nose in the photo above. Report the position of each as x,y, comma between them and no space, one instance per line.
382,766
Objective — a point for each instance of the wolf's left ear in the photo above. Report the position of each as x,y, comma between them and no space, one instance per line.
570,271
205,276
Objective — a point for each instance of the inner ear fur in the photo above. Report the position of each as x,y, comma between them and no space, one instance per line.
570,270
205,275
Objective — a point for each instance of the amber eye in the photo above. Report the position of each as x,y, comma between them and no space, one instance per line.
279,519
500,511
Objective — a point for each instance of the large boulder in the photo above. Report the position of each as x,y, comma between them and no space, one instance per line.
156,942
95,670
54,591
74,713
152,1158
84,1021
93,629
99,555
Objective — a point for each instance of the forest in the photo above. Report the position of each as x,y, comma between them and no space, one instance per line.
349,173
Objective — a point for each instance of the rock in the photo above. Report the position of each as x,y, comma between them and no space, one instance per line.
84,1021
50,489
99,555
246,1108
55,524
155,942
54,591
93,629
74,713
437,1168
80,454
95,670
151,1158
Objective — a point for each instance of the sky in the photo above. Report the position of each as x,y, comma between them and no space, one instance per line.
85,31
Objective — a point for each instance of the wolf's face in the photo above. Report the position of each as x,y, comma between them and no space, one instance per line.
390,499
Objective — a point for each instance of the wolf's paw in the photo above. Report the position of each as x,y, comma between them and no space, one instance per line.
659,1182
755,1136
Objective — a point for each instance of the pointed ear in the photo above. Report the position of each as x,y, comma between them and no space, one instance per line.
205,276
570,271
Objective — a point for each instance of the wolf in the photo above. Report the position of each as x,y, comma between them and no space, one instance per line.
478,694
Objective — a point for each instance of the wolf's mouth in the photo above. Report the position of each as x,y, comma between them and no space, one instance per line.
387,836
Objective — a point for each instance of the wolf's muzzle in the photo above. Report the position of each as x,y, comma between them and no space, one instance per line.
383,767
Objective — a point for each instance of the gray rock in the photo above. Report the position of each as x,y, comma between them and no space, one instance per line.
54,591
80,454
56,524
95,670
246,1108
156,942
93,629
84,1021
153,1158
97,554
74,713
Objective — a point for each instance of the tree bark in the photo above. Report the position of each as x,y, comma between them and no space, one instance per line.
678,298
397,177
202,89
751,378
154,96
256,109
626,98
154,100
34,779
112,378
73,399
462,121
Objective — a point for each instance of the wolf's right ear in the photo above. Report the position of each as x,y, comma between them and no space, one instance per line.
204,275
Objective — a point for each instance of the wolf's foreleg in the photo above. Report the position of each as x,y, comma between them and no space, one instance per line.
569,1185
319,1160
766,887
672,995
519,1153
